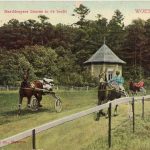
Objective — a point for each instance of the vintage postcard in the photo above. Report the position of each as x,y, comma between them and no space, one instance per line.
74,75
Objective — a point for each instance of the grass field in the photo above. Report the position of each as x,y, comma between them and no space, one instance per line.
81,134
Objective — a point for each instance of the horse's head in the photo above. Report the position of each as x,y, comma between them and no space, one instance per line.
102,81
102,77
131,83
25,74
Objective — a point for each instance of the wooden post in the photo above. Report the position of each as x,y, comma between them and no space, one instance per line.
109,125
33,140
72,88
133,114
7,88
87,88
143,108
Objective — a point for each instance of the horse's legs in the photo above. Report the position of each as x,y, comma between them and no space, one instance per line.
143,90
39,98
100,112
115,111
19,105
97,116
39,101
29,100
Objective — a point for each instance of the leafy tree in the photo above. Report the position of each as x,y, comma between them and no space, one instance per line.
65,64
42,59
13,33
12,66
134,45
30,28
43,18
8,69
60,50
22,64
146,54
81,12
44,29
115,34
97,31
101,29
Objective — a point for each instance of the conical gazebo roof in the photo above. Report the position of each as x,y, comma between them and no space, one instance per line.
104,55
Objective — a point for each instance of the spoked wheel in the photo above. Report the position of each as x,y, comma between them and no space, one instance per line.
58,105
34,104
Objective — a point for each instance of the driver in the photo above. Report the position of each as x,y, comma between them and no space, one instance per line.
117,81
48,84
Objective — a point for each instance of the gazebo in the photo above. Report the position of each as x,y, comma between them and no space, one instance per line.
104,60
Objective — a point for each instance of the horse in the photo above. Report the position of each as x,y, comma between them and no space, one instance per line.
107,93
34,88
136,87
28,90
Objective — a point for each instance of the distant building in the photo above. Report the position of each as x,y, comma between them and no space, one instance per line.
104,60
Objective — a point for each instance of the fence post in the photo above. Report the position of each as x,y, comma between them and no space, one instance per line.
133,114
109,125
143,108
33,140
72,88
87,88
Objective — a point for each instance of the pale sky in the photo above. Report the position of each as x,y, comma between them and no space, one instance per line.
105,8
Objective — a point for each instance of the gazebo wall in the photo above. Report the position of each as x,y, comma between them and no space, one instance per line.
96,69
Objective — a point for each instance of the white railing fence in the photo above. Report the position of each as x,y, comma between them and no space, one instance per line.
63,120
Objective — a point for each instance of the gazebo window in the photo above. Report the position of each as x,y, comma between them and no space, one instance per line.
109,74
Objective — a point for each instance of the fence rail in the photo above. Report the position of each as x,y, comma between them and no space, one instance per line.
55,123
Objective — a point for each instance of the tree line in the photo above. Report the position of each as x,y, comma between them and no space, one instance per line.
59,51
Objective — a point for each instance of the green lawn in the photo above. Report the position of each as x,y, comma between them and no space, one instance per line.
81,134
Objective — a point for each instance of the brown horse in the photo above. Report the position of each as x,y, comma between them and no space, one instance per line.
27,90
105,94
136,87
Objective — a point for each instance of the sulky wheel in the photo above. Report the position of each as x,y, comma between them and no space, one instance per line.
58,105
34,103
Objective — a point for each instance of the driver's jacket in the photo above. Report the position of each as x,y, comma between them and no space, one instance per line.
117,79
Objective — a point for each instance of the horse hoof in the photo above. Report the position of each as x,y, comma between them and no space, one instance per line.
97,119
28,107
115,115
103,114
